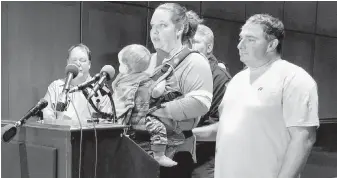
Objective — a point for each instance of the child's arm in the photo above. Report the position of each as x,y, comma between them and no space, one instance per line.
159,89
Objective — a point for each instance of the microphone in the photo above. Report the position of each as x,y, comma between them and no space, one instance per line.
107,72
85,84
72,71
9,131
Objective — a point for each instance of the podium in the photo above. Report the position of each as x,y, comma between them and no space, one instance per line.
53,151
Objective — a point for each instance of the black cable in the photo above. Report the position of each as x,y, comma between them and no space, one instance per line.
103,114
95,131
81,139
113,109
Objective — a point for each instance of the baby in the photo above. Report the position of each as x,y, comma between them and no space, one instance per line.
134,60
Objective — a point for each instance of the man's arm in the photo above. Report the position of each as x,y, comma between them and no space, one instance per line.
220,81
300,113
302,140
50,97
206,133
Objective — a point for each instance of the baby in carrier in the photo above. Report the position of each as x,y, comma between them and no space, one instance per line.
136,95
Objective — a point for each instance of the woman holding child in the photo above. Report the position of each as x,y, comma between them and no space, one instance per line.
184,89
172,26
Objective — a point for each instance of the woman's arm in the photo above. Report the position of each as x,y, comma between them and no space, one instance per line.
196,83
206,133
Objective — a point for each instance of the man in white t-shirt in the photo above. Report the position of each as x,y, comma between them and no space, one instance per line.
269,114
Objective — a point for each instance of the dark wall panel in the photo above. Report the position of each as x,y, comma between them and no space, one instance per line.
325,74
226,38
229,10
274,8
149,43
140,3
298,48
190,5
37,48
327,18
4,62
108,27
300,16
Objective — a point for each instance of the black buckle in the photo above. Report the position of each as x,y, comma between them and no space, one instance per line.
188,133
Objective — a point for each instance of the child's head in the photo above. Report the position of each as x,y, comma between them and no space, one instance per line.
133,59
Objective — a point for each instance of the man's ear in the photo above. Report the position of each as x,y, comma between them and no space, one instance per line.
209,48
272,45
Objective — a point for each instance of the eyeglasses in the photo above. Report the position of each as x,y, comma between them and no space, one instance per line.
80,59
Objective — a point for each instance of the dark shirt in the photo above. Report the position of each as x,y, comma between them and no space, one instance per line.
220,78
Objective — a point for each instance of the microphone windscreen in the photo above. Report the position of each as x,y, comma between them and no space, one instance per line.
109,70
72,68
8,132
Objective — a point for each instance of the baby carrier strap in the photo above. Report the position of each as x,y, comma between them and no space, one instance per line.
138,111
165,72
173,63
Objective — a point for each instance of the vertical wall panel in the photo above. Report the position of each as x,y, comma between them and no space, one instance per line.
39,34
325,74
274,8
141,3
327,18
190,5
298,48
226,38
300,16
149,43
229,10
4,62
108,27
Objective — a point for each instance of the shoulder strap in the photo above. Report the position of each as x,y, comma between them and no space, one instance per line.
178,58
227,73
173,62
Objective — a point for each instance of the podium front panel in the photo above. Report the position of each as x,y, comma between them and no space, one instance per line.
38,151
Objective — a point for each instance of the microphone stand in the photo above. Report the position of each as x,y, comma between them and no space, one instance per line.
110,117
9,131
113,108
39,114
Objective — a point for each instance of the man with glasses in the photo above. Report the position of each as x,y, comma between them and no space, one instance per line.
77,104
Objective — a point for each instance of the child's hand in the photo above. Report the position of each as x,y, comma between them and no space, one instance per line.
159,89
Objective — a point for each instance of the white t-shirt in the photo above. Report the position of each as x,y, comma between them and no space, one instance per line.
253,138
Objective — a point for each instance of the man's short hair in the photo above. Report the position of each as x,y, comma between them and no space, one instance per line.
136,57
83,47
273,28
207,33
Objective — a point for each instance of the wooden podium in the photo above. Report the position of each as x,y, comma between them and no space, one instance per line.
53,151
